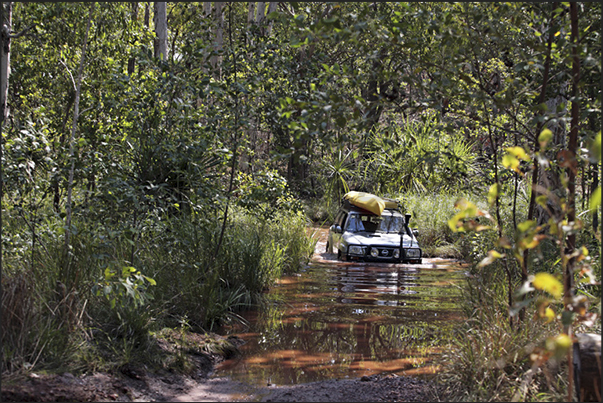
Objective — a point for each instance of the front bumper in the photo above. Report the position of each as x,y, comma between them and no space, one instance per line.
383,253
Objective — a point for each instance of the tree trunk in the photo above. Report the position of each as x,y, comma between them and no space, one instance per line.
132,60
271,8
5,31
251,14
260,14
76,111
161,30
571,164
5,28
572,147
536,166
207,8
219,43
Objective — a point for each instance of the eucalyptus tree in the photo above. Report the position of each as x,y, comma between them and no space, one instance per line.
161,30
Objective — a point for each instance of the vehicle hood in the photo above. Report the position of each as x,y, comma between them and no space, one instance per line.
370,239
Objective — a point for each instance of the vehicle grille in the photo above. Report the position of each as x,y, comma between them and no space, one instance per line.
385,253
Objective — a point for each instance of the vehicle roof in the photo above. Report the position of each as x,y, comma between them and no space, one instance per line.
358,210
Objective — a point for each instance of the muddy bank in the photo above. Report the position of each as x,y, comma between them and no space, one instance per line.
145,386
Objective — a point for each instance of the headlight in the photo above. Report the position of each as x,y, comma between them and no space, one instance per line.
413,253
356,250
374,252
396,253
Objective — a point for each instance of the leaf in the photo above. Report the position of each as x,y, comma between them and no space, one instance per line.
545,136
559,344
492,256
547,282
524,226
509,161
541,200
493,193
549,315
150,280
595,200
530,242
567,159
518,152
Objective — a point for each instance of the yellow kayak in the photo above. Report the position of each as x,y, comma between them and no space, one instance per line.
367,201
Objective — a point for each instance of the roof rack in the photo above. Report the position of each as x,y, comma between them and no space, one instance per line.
391,203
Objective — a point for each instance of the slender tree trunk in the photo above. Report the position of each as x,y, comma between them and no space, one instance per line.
76,111
571,174
271,8
259,17
219,43
5,29
207,8
535,167
251,14
132,60
161,30
573,145
147,15
235,147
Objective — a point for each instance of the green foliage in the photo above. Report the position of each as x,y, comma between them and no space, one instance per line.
428,101
418,156
490,359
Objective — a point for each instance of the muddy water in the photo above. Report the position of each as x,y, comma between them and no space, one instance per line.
341,319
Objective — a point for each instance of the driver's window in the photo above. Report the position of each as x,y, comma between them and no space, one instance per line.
342,219
355,224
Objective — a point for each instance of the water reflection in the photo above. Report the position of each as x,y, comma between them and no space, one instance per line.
339,319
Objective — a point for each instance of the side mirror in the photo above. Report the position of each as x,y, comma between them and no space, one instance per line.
336,229
415,232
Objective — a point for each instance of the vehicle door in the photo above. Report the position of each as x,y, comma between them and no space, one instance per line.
338,229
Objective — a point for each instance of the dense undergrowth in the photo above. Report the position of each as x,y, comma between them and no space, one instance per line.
104,303
493,354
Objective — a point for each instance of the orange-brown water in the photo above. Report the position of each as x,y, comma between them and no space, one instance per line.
340,319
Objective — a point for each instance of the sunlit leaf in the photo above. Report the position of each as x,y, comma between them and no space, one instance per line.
493,193
150,280
519,153
511,162
595,200
545,136
549,315
525,226
547,282
559,345
492,256
541,200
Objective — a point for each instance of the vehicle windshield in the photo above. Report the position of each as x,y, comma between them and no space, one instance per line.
387,223
392,223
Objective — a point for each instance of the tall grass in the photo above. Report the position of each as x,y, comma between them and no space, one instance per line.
430,215
490,360
97,303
